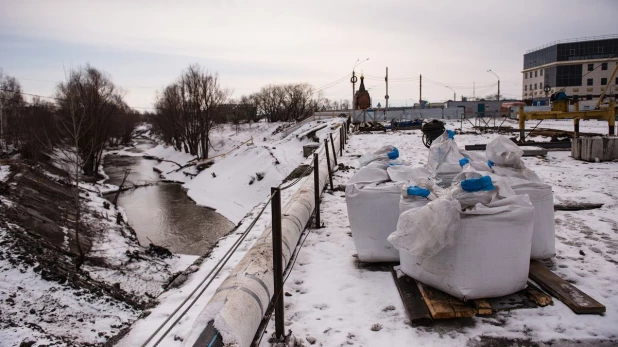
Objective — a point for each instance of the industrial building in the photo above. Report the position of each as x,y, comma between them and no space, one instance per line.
579,67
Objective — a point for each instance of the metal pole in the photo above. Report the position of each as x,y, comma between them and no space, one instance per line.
332,145
420,92
386,97
340,141
330,172
277,261
353,99
316,189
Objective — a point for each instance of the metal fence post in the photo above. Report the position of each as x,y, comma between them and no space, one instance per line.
332,145
330,172
341,142
316,189
277,261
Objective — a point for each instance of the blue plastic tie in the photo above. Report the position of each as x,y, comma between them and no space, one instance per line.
394,164
394,154
418,191
477,184
490,163
451,134
463,162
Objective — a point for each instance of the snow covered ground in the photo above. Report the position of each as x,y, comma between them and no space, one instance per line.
37,307
235,171
334,303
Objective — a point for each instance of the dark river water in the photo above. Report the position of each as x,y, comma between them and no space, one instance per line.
162,213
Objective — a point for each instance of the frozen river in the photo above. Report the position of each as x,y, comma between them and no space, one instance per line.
162,212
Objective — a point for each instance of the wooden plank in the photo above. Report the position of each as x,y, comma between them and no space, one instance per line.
536,295
574,298
576,207
412,300
444,306
483,307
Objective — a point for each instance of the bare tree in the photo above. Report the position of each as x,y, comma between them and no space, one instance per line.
90,94
188,109
11,104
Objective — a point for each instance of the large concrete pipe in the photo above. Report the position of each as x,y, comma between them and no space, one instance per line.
236,309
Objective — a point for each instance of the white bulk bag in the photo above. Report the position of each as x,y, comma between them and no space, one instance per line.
505,157
399,173
490,255
383,153
368,175
373,211
476,160
415,197
544,235
443,159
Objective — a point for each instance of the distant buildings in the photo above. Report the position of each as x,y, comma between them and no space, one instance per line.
579,67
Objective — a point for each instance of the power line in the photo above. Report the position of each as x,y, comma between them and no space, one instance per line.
60,99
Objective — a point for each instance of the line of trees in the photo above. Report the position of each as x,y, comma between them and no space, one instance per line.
190,107
87,106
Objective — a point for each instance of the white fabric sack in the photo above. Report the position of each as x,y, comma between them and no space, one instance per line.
425,231
521,172
400,173
380,154
373,211
506,156
490,256
478,160
408,203
544,235
443,159
504,152
368,175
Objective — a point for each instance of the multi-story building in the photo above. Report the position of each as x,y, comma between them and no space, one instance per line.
581,67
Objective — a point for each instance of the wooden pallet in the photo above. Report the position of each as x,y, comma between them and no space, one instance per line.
424,304
575,299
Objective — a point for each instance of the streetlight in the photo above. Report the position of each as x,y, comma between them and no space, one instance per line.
498,82
454,95
353,79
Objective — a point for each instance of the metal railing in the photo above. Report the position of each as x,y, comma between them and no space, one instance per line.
579,39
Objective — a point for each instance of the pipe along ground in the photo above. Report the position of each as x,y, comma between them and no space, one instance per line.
234,313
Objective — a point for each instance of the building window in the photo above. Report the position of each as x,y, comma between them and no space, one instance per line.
604,66
588,97
541,72
603,81
590,67
590,82
525,88
541,85
616,80
526,75
531,87
572,51
535,72
535,86
601,49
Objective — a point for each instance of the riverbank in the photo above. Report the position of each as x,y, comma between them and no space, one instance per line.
44,299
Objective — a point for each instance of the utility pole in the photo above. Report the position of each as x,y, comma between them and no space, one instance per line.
420,92
386,96
353,80
474,91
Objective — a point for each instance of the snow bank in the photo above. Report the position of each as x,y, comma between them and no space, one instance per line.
4,172
237,183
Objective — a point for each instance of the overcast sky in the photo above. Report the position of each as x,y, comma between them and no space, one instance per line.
144,45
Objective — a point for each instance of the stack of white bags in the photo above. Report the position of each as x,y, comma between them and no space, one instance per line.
465,224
